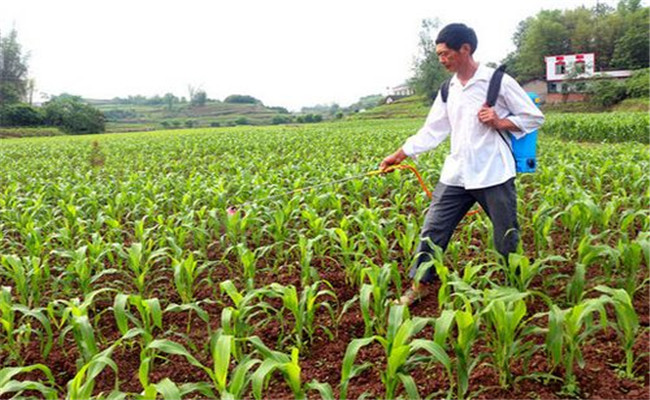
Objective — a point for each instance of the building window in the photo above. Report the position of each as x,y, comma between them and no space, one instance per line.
580,67
559,69
552,87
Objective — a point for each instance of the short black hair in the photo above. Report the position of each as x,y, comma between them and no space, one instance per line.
455,35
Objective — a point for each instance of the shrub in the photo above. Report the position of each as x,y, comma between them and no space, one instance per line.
607,92
238,98
280,119
73,116
638,85
20,115
119,114
215,124
242,121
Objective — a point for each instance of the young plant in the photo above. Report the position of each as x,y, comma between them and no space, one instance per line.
8,385
505,325
401,353
467,325
520,272
248,259
374,296
140,258
149,315
627,324
237,320
304,309
28,276
17,331
568,329
272,360
186,275
229,384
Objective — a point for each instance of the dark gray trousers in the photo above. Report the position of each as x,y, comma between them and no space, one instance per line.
450,204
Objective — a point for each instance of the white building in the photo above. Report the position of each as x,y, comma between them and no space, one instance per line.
566,76
401,90
570,66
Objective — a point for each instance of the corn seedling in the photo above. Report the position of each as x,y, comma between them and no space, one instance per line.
17,331
568,329
627,323
505,325
237,320
304,308
401,353
374,296
229,384
288,365
148,317
28,276
186,275
9,385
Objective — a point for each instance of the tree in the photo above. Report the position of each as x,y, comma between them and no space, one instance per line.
241,99
169,100
199,98
73,116
618,36
632,50
545,35
20,114
429,73
13,70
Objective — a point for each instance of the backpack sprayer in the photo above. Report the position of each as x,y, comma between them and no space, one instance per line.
233,210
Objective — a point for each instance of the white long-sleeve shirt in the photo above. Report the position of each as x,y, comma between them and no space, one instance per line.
479,158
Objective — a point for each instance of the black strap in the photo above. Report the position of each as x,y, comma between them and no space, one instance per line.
444,90
495,86
493,94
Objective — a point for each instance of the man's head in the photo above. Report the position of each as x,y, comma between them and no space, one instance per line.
455,45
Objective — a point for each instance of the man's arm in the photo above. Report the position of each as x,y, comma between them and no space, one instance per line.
524,116
489,117
435,130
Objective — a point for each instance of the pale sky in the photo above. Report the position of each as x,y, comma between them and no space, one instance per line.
286,53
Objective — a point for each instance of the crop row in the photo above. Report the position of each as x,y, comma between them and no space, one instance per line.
604,127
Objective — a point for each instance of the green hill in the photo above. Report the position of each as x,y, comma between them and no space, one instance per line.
122,117
408,107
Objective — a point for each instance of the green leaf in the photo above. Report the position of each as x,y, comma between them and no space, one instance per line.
168,389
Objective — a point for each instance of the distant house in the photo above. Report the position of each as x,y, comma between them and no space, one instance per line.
567,76
402,90
398,92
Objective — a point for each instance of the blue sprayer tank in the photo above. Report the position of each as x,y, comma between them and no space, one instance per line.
524,149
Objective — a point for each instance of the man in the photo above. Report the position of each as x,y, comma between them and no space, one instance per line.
480,166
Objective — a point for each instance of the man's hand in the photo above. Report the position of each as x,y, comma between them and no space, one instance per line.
489,117
393,159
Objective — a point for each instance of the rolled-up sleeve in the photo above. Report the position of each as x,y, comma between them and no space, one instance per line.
524,113
435,129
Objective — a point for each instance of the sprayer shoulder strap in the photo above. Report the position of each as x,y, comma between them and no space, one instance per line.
444,90
495,86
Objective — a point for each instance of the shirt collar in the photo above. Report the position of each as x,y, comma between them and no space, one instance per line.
482,73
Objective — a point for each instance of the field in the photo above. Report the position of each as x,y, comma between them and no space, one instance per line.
187,263
133,117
